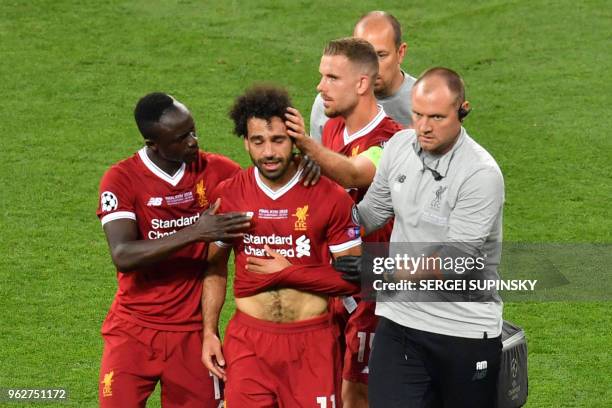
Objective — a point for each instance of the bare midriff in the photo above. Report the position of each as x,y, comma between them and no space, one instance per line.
283,305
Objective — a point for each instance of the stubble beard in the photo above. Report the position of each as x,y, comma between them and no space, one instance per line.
272,176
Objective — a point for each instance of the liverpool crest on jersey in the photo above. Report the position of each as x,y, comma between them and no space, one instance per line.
300,222
201,194
108,384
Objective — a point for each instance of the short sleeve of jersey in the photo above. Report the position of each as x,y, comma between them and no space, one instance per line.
343,231
116,200
229,169
225,169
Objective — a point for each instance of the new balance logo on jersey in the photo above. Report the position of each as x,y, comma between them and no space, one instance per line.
154,202
302,247
481,370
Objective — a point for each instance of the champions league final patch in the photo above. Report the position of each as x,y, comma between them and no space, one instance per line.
273,214
180,198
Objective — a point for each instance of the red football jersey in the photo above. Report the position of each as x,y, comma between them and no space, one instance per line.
376,133
304,224
167,294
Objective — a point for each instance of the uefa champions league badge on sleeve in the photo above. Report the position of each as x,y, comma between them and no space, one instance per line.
108,201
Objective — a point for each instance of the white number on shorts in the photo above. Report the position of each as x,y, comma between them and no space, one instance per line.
362,344
322,401
216,385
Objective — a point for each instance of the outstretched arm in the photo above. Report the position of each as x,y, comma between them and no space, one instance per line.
213,297
277,271
129,252
354,172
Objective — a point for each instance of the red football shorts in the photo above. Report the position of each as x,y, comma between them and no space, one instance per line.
357,320
135,358
288,365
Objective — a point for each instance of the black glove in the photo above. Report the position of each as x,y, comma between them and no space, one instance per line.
350,266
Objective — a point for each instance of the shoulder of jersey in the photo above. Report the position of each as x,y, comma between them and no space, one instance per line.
242,177
215,159
126,165
392,126
334,123
327,185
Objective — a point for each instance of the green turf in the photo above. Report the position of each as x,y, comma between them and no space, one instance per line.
538,77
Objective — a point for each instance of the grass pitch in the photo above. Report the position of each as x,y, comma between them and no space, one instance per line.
537,74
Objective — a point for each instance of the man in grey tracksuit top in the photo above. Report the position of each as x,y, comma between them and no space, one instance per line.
442,187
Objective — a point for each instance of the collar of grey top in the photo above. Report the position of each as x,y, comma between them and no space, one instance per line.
438,163
397,93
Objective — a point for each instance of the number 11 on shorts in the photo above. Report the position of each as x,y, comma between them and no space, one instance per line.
362,344
322,401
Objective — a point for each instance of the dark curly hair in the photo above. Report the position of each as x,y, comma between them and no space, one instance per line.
260,101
